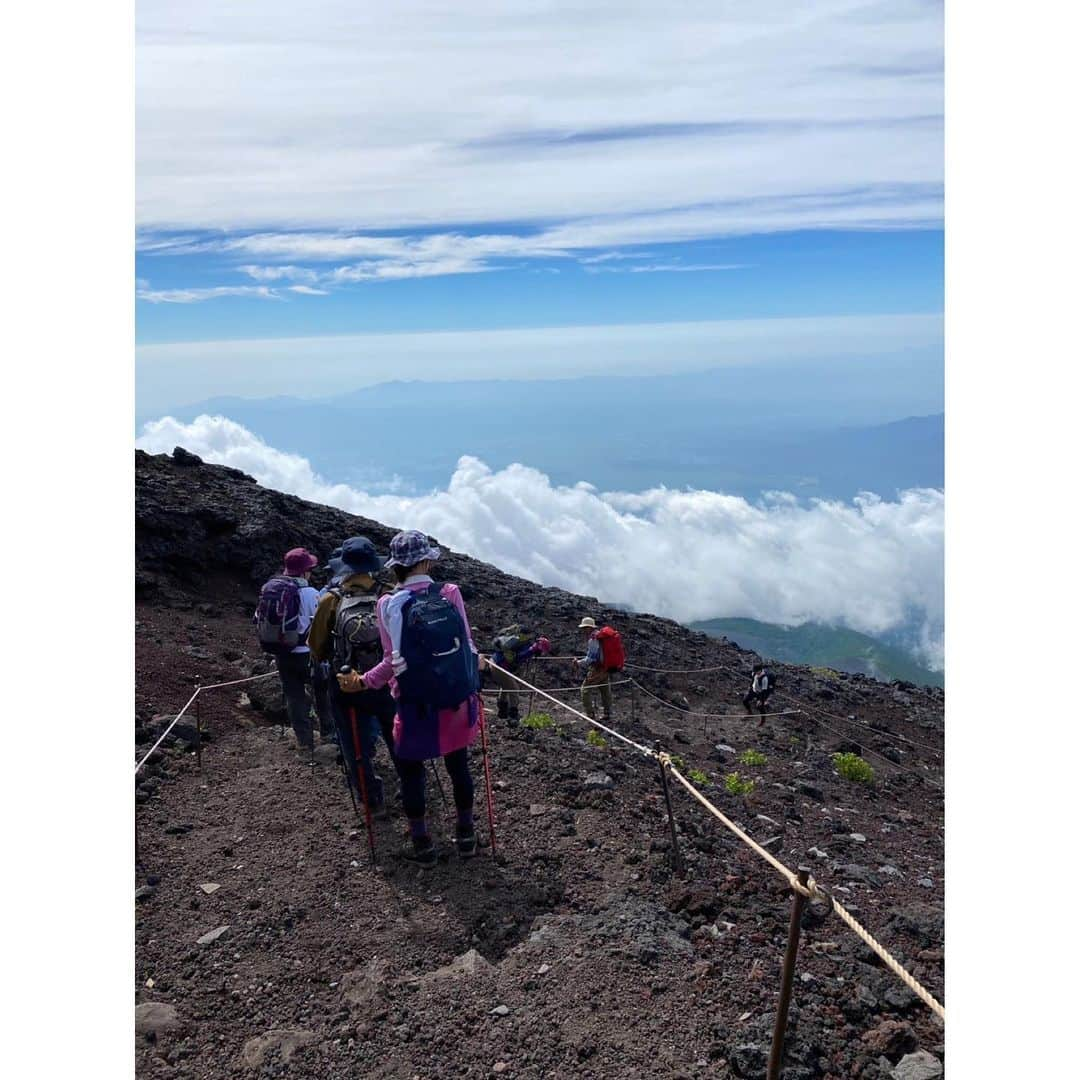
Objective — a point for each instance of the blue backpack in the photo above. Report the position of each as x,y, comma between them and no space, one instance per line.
441,670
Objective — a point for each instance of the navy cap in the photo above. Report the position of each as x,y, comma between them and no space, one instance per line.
358,556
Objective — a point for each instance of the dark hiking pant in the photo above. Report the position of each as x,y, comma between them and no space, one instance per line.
294,670
374,711
414,782
760,698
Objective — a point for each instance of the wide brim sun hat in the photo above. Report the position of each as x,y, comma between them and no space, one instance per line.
588,623
358,556
411,547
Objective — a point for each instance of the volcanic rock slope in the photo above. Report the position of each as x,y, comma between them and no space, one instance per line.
576,950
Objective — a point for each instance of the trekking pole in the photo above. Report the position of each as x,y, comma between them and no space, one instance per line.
346,670
345,768
487,779
442,790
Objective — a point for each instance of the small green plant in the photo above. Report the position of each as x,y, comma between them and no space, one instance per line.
538,721
826,673
736,785
594,738
698,777
678,763
853,767
753,757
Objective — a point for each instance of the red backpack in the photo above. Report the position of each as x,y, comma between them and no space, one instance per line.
612,654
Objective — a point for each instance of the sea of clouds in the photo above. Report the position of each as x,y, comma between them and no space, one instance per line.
873,565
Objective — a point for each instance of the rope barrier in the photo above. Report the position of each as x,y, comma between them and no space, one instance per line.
811,890
551,689
176,719
713,716
805,706
562,704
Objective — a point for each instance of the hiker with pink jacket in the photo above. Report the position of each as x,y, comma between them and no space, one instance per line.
432,666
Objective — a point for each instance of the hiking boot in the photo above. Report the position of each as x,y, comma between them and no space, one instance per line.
421,853
466,843
513,721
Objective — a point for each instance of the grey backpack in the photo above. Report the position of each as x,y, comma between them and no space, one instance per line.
356,633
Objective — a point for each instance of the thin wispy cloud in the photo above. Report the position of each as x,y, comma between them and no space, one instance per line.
197,296
586,127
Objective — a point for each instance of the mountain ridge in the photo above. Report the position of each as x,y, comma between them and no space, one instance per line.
603,959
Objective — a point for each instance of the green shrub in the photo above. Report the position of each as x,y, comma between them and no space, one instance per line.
538,721
753,757
594,738
678,763
853,767
736,785
826,673
698,777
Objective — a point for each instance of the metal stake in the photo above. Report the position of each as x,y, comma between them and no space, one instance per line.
633,702
798,902
198,729
676,855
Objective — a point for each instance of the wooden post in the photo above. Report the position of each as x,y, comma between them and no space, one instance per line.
798,902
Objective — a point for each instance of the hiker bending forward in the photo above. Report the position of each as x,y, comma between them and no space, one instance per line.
513,651
597,675
430,662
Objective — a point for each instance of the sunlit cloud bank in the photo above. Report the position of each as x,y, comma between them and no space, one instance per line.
873,565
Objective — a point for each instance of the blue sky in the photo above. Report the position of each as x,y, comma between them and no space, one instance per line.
343,169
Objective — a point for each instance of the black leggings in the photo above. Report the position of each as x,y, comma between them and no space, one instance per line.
413,783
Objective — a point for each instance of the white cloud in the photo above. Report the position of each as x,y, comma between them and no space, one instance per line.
196,296
620,120
870,564
307,290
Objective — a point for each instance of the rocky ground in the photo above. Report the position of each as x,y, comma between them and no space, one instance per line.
575,949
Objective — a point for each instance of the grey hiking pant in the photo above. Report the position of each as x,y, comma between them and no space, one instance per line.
597,680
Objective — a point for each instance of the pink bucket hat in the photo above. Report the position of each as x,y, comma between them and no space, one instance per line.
299,561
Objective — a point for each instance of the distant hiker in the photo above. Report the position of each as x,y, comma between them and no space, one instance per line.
345,634
513,647
603,656
431,664
760,690
286,606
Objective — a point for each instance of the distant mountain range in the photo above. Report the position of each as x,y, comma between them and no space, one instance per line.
817,645
739,432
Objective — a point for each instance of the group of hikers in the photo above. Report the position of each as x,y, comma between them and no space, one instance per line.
394,659
390,655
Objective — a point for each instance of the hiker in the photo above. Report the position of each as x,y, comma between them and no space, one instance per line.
286,606
321,675
344,635
431,664
603,656
761,688
512,648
